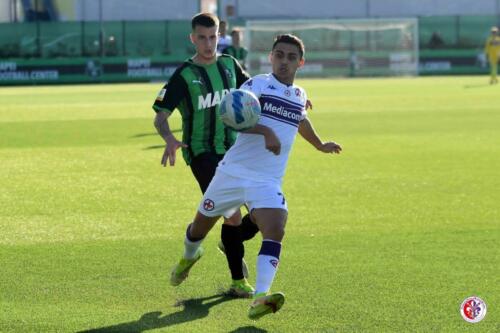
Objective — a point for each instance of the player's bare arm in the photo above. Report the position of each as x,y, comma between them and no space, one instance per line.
272,142
172,144
306,130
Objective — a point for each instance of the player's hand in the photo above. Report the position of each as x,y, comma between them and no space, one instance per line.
309,105
330,147
273,144
170,150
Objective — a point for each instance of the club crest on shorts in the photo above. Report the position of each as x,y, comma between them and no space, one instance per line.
208,205
274,262
473,309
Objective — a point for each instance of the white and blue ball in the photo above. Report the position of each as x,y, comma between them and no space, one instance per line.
240,109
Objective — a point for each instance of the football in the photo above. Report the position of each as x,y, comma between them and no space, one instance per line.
240,109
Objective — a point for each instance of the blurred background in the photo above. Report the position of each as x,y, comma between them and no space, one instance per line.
65,41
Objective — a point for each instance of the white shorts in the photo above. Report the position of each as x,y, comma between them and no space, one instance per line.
226,194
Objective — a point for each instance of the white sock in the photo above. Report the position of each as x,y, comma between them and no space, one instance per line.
267,265
190,248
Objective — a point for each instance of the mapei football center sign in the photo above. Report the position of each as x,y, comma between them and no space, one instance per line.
83,70
11,72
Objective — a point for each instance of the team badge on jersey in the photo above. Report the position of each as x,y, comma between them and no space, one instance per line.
229,74
161,95
297,92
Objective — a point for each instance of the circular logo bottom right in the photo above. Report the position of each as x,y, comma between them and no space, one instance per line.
473,309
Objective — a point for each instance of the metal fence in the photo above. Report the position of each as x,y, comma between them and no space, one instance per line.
156,38
458,32
89,39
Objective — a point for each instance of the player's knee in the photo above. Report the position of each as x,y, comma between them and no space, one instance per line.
234,220
276,234
231,223
280,232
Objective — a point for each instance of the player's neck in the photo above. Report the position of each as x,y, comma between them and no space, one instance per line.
203,61
285,81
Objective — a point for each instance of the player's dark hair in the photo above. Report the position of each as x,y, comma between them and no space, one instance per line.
291,39
207,20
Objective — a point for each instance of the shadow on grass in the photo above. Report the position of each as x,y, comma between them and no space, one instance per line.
249,329
154,147
141,135
482,85
194,308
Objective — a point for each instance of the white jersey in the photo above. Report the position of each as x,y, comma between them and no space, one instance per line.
283,107
224,41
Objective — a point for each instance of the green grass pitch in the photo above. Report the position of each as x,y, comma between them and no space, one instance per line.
390,236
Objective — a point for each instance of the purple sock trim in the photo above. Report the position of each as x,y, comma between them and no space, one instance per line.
270,248
188,235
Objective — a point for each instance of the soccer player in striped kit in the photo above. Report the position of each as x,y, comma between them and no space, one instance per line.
252,171
196,89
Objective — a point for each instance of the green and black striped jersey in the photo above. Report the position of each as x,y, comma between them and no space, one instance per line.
239,53
196,91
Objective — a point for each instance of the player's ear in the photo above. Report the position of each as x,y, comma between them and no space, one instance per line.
191,38
270,56
302,62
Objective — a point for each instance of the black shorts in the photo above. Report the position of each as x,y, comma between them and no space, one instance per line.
203,167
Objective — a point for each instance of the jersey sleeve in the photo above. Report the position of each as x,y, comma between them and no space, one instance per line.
304,111
171,94
253,85
241,75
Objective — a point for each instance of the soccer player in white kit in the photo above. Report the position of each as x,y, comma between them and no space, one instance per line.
252,171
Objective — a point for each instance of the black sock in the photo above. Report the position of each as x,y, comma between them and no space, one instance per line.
248,228
233,244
